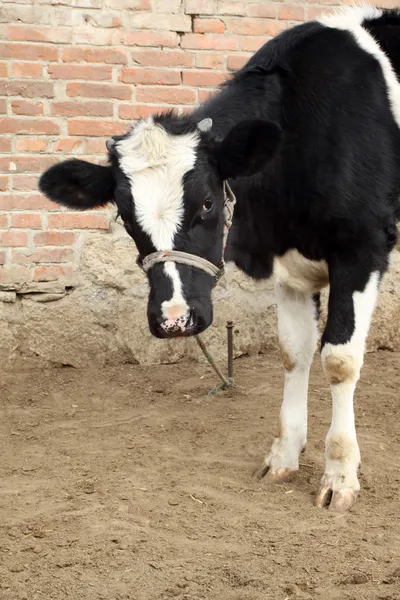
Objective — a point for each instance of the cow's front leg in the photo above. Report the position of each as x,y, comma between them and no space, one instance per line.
349,315
298,336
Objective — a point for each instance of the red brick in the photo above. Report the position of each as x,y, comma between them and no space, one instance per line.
6,202
261,9
205,95
95,145
99,90
166,94
201,7
26,88
42,255
31,145
252,44
21,202
253,26
383,4
208,26
3,183
203,78
13,238
128,4
99,19
96,128
27,69
3,69
315,12
95,55
14,12
52,273
86,72
26,220
3,222
25,182
209,41
5,144
68,144
14,275
231,8
23,164
26,202
205,60
34,202
167,6
53,35
162,58
15,125
3,106
3,257
27,107
139,111
151,38
73,108
329,3
29,52
88,220
54,238
168,22
237,61
94,36
151,76
291,13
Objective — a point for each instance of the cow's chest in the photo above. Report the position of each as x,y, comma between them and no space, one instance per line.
300,273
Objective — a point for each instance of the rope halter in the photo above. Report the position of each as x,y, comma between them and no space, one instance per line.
192,260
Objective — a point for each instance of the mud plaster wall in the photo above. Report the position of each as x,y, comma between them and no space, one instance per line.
98,317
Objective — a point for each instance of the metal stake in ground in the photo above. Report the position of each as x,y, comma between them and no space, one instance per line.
229,327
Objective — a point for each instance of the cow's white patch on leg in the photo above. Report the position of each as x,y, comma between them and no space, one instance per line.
342,365
155,164
298,335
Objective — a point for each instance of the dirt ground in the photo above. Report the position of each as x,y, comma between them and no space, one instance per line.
131,482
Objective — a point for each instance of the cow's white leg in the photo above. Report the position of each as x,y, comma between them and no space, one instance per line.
298,336
349,316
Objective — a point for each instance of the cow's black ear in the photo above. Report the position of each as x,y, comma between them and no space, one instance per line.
247,148
78,184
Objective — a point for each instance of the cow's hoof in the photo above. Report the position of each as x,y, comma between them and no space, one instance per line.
339,501
275,474
260,472
281,474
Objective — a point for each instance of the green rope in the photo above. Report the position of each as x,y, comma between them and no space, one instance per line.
227,382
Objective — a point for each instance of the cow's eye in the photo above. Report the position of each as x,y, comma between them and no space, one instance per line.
207,206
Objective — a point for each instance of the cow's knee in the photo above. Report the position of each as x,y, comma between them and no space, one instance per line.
342,363
287,357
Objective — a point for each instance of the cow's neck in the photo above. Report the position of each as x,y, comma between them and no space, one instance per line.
253,238
255,97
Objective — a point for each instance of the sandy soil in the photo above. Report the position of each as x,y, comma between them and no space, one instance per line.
131,482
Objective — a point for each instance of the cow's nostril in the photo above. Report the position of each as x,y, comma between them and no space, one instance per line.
179,325
175,325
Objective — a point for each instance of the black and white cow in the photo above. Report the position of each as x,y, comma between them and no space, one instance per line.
307,136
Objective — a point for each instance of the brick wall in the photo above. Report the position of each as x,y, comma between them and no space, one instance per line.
73,72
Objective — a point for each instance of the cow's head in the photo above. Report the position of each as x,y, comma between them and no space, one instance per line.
166,177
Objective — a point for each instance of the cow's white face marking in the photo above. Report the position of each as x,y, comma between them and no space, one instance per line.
155,163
